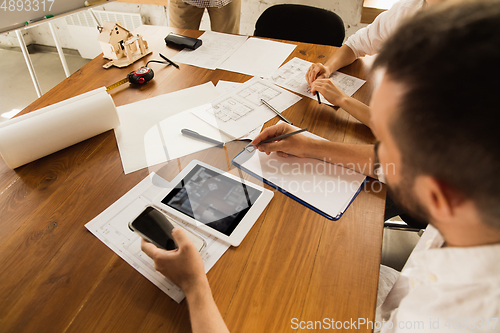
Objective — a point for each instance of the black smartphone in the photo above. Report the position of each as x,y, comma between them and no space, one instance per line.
154,227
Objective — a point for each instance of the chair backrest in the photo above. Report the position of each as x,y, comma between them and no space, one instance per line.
301,23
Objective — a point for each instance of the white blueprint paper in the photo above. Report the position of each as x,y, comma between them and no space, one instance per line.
215,48
328,187
292,75
138,136
258,57
223,87
111,227
347,83
241,111
175,144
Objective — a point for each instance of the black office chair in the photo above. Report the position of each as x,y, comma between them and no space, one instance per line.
301,23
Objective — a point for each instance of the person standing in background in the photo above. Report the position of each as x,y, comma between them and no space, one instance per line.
224,14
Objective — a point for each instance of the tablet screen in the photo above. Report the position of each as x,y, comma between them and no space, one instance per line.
212,199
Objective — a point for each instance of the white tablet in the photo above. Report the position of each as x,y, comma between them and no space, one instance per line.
217,202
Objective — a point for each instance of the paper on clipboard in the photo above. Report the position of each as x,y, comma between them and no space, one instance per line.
324,187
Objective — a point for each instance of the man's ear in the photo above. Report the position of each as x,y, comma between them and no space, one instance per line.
441,200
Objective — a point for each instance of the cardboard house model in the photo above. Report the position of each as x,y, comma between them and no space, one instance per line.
120,46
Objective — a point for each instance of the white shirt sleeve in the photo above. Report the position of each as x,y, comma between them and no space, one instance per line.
368,40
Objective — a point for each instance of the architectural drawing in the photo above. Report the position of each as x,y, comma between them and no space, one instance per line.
292,75
291,69
230,109
233,109
240,111
345,82
111,227
216,48
257,91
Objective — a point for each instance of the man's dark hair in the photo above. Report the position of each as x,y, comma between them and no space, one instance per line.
447,59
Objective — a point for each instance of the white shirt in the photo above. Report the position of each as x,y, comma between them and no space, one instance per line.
445,289
368,40
207,3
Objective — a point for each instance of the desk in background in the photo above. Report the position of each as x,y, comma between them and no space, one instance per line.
57,277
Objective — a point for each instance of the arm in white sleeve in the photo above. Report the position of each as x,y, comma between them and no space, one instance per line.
368,40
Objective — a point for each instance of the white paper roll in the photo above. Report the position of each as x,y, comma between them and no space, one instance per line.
55,127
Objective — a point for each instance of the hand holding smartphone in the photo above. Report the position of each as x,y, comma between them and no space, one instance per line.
155,227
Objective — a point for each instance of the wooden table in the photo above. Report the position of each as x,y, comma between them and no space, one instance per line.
57,277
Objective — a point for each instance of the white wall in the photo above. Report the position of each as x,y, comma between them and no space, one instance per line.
349,10
10,39
151,14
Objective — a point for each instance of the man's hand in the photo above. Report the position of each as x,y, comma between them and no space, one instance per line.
297,145
182,266
317,71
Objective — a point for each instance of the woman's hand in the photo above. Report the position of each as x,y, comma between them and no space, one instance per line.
317,71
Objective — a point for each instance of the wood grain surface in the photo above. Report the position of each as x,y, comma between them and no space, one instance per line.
57,277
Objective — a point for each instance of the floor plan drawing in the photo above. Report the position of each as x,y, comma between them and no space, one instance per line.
241,110
291,71
111,227
257,91
234,109
292,75
216,48
230,109
348,84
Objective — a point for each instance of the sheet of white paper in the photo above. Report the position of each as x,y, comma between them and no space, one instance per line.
325,186
253,134
241,110
347,83
111,227
258,57
216,48
292,75
138,139
223,87
175,144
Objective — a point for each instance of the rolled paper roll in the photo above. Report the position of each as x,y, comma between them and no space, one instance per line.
42,132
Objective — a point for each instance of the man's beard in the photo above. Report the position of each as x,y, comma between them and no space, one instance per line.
404,197
403,194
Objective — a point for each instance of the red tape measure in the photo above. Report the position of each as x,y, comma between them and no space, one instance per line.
139,77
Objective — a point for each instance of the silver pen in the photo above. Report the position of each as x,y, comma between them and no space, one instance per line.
275,111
